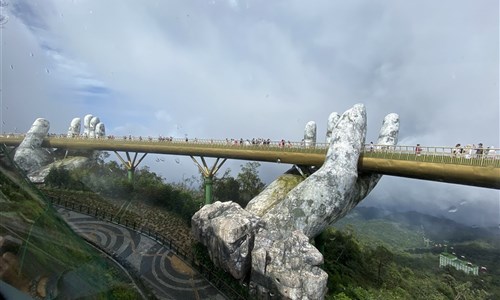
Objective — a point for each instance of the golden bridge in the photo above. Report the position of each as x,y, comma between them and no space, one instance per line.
465,166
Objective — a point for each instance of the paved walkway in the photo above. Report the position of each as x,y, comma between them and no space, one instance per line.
158,266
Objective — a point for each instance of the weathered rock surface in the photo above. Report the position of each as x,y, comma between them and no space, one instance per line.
332,120
30,155
310,134
316,202
37,161
333,190
93,123
228,232
288,265
388,135
389,132
282,259
70,163
100,130
86,124
273,194
74,127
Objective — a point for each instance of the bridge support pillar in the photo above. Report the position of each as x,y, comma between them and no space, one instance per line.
130,174
130,164
208,175
208,189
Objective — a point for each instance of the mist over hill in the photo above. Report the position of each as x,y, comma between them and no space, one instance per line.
472,206
412,222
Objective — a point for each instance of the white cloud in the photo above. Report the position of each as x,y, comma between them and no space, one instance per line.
245,69
233,3
162,115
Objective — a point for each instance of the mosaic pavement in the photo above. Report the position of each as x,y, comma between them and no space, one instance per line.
168,275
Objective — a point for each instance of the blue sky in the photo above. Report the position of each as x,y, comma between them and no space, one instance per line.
244,69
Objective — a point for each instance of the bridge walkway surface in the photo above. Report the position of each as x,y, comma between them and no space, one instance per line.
164,272
465,165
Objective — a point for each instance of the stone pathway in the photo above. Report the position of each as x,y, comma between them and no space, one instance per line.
168,275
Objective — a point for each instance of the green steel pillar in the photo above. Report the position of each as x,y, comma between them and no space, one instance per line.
208,175
208,189
130,174
130,164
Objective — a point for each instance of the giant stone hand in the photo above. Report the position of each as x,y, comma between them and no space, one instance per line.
292,211
74,128
282,259
30,155
37,161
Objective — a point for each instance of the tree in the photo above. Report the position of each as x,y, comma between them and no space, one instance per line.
60,178
101,157
53,178
249,181
227,188
381,257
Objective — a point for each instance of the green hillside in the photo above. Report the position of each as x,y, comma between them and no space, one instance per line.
375,254
376,232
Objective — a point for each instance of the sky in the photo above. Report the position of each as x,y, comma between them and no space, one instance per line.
243,69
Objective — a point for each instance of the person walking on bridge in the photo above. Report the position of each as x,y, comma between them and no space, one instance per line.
418,150
479,150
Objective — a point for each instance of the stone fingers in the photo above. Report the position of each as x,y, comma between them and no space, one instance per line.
38,131
30,155
93,123
388,136
74,127
332,121
348,138
86,124
282,257
310,134
275,192
100,130
389,131
311,205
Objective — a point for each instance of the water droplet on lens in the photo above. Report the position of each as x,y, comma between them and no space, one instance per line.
3,19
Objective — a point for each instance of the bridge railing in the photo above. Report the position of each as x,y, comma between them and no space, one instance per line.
472,156
288,146
466,155
235,144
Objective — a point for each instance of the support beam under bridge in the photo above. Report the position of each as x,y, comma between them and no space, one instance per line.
208,175
130,164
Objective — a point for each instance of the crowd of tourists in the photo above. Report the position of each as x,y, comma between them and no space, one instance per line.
470,151
459,151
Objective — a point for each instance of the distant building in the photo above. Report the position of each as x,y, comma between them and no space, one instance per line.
447,259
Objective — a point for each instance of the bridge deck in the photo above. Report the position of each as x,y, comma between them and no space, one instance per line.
431,163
